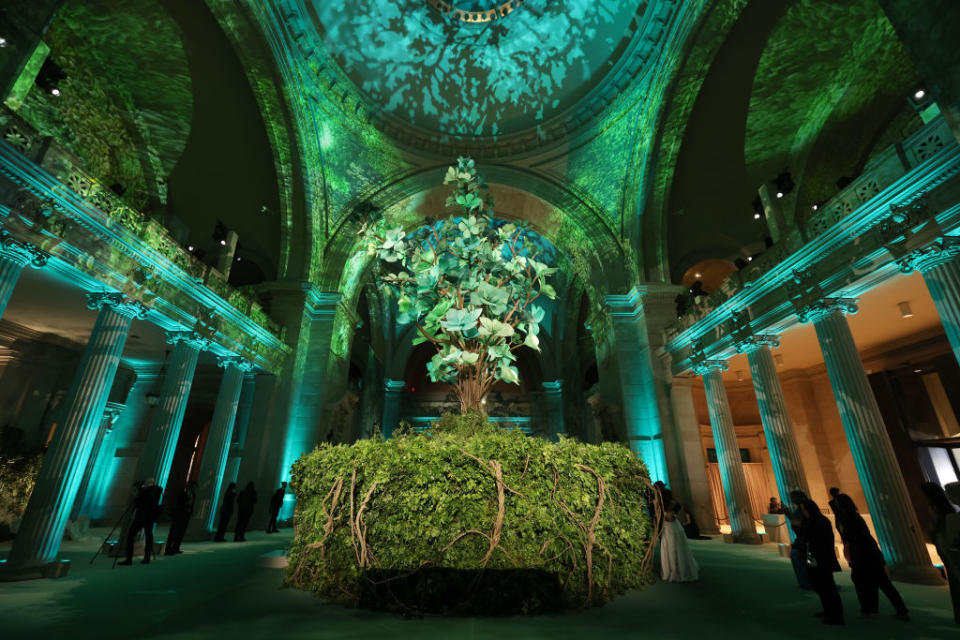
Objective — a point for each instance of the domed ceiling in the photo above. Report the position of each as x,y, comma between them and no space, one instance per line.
482,69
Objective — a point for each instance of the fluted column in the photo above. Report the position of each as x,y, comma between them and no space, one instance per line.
777,427
392,396
553,390
728,453
940,265
214,461
641,409
14,256
168,416
41,531
894,519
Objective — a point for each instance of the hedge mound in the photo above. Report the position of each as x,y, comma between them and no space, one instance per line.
470,519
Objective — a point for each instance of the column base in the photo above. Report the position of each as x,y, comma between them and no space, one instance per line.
58,569
916,574
742,538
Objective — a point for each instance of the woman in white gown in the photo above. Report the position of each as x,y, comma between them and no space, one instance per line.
677,563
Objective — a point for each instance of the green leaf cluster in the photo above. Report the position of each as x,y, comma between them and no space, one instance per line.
434,501
470,286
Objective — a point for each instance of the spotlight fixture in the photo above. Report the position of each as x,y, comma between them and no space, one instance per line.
3,42
749,258
757,205
219,234
190,248
697,275
778,359
918,370
919,94
783,183
905,310
756,216
49,77
815,207
223,243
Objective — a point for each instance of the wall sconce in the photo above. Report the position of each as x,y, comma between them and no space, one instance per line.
739,376
905,310
778,359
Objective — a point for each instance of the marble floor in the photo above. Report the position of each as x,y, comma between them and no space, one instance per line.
229,590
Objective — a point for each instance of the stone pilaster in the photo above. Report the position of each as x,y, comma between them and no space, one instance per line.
41,531
14,256
777,427
87,494
210,477
168,416
392,399
894,519
940,265
638,392
732,476
553,392
691,449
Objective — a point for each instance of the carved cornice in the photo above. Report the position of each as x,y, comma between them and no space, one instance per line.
237,362
21,252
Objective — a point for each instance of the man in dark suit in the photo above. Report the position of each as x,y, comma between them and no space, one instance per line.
276,503
182,510
146,508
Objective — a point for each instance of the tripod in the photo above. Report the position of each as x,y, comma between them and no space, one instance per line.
124,518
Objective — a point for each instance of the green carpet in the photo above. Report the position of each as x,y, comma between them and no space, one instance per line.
223,591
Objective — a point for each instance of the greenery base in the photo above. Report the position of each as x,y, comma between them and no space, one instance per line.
470,519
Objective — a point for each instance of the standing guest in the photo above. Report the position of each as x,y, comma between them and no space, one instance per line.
146,508
276,502
245,502
226,511
941,511
867,568
834,492
182,510
952,543
774,506
677,564
822,561
798,550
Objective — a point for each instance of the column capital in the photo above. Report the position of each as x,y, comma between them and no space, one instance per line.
394,386
944,249
120,304
23,253
826,306
744,339
190,338
237,362
553,386
757,341
703,367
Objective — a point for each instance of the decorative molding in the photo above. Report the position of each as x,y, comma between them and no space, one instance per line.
826,306
190,338
394,386
238,362
553,386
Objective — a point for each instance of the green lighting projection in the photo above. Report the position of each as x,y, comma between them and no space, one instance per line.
450,76
470,286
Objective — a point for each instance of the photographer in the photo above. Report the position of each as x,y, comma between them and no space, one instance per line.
146,509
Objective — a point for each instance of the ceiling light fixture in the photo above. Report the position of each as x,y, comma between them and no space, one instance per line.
55,92
918,370
779,194
3,42
815,207
919,94
190,247
905,310
756,216
697,275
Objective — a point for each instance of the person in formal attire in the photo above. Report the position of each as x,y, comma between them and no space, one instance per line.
180,517
245,502
774,506
822,561
146,508
951,543
276,502
941,512
226,511
798,549
867,567
832,502
677,563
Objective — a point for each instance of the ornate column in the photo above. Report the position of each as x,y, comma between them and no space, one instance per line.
940,265
41,532
784,453
732,476
392,396
14,256
168,415
894,519
87,495
210,478
553,392
641,409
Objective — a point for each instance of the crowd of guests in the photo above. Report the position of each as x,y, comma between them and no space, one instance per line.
814,558
145,510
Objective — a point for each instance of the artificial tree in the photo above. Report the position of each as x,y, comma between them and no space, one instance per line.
470,284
